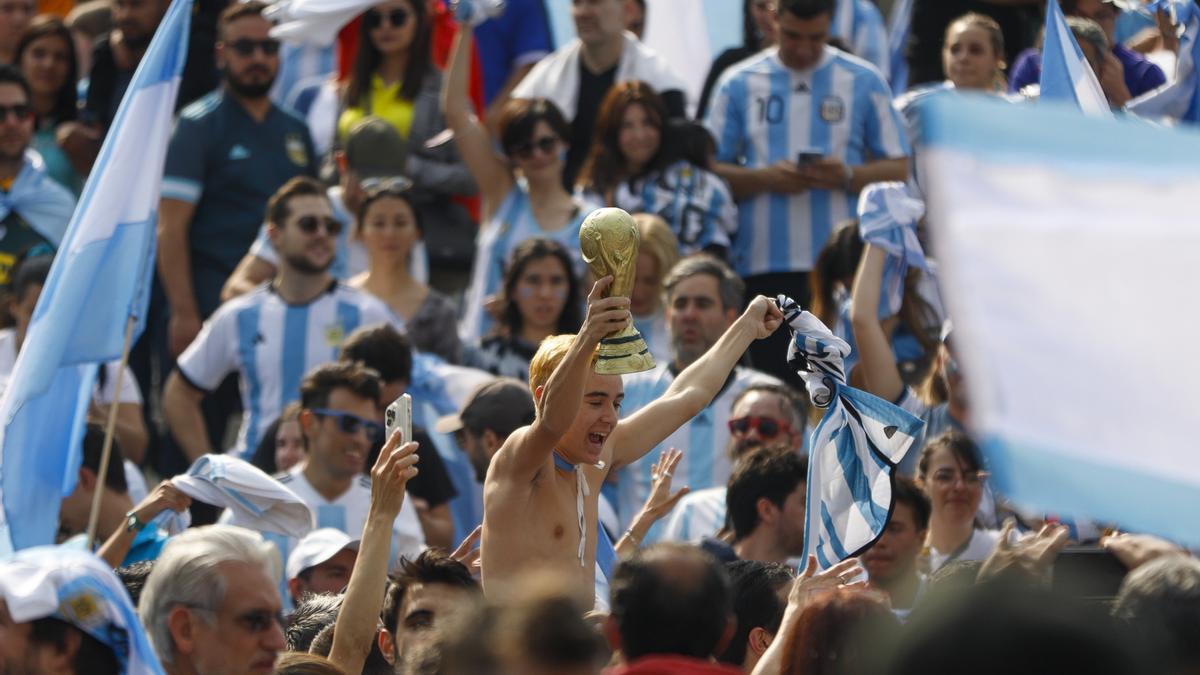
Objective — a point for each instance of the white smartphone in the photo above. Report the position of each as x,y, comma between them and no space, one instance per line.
399,416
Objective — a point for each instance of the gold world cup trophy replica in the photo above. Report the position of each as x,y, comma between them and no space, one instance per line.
609,241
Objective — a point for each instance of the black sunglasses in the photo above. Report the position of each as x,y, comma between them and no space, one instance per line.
22,111
767,427
246,46
397,17
350,424
310,224
545,145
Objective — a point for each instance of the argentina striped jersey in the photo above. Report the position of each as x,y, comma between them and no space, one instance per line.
696,204
271,345
860,25
764,112
703,439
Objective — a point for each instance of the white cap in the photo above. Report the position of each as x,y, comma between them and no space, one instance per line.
317,547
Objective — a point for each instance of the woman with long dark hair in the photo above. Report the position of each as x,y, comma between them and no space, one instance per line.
643,165
393,78
541,298
46,56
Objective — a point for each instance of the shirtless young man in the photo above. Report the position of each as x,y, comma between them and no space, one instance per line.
531,506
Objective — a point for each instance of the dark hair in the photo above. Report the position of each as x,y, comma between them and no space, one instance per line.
905,491
670,599
32,271
958,443
375,663
93,450
730,286
372,196
48,25
525,253
381,348
828,637
691,142
133,577
10,74
322,380
750,38
238,10
433,566
368,58
756,603
1159,604
805,9
793,410
94,657
770,473
293,663
520,116
605,164
315,611
264,453
278,205
836,263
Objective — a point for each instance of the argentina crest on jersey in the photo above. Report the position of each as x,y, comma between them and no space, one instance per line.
833,109
294,145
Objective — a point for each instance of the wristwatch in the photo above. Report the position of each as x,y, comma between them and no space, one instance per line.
133,523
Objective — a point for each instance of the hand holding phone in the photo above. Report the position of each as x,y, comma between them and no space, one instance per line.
806,158
399,416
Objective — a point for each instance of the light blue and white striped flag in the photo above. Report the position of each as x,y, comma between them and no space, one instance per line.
1067,247
1179,99
899,27
1066,74
100,278
887,218
853,451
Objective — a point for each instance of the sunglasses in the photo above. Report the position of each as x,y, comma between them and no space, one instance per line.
350,424
310,224
545,145
21,111
767,427
389,184
950,476
247,47
396,17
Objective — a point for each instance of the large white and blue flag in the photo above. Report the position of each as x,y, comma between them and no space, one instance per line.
1066,74
854,450
99,280
1179,99
1068,248
899,27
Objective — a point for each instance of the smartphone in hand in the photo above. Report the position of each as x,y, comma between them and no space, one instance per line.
399,416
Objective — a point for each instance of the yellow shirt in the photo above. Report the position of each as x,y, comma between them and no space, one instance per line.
385,103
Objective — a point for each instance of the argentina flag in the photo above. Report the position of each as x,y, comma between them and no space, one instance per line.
1066,74
1179,99
853,451
97,286
1068,248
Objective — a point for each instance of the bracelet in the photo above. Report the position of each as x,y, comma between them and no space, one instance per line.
133,523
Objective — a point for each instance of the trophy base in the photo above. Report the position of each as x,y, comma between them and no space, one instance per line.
624,353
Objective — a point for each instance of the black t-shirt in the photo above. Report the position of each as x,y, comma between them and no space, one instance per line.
593,87
930,18
107,83
431,483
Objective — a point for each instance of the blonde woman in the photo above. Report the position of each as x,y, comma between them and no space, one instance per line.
658,254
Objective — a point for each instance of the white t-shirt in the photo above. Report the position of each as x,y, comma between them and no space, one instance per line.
698,515
348,513
981,545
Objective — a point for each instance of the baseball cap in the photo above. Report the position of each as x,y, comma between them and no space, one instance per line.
375,149
502,405
317,547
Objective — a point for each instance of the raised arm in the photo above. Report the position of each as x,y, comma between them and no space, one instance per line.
359,616
527,449
876,360
695,387
491,173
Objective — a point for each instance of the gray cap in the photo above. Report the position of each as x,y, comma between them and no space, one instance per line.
502,405
374,149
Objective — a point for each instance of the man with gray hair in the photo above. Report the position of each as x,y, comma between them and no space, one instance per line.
703,297
211,604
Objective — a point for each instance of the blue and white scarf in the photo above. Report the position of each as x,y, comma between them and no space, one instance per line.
887,218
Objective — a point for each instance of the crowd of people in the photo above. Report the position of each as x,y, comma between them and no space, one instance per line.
400,212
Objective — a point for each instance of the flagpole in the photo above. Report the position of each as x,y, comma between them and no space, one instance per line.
110,429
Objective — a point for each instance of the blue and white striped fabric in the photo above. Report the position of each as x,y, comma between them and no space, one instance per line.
763,113
860,25
1180,98
899,27
698,515
98,282
887,218
696,203
854,449
77,587
1036,207
512,224
1066,74
704,439
272,344
298,64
